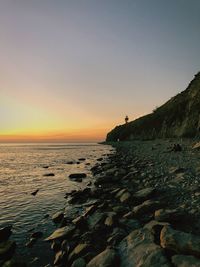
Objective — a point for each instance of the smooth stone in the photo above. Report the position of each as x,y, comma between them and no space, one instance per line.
116,236
80,262
144,193
139,249
168,215
57,217
125,197
5,233
110,219
147,206
79,251
61,233
107,258
60,257
185,261
180,242
95,219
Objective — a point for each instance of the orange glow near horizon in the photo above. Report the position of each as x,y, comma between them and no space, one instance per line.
81,135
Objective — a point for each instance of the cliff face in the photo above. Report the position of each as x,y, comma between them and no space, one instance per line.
178,117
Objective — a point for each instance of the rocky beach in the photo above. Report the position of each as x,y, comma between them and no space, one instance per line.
140,209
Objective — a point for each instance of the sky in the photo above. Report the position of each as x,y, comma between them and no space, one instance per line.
70,70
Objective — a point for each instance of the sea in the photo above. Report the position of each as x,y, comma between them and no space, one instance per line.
23,170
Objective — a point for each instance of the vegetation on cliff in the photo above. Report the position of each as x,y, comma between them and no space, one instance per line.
178,117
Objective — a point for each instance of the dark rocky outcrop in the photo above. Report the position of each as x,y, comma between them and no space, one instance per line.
179,117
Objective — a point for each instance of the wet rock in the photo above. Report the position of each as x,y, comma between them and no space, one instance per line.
61,233
145,193
49,174
168,215
57,217
139,249
196,146
116,236
129,224
60,257
80,262
95,219
110,219
5,233
185,261
180,242
125,198
78,251
107,258
147,206
7,249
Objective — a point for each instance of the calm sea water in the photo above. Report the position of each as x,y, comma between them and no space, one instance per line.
22,172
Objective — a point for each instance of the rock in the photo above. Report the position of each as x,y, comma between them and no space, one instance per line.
37,235
70,162
78,251
196,146
144,193
57,217
77,176
180,242
61,233
56,245
80,262
120,192
60,257
185,261
116,236
167,215
139,249
95,219
110,219
147,206
7,249
125,197
49,174
176,170
129,224
34,193
82,159
5,233
107,258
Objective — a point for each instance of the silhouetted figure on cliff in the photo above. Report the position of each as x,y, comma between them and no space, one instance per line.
126,119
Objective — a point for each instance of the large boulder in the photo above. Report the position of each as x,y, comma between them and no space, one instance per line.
139,249
180,242
107,258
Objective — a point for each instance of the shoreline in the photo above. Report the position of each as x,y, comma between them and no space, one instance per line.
142,209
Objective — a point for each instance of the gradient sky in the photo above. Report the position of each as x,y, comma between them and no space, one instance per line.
72,69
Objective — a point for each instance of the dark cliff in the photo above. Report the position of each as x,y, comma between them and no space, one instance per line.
178,117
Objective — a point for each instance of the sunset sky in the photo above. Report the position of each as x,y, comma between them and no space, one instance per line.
70,70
